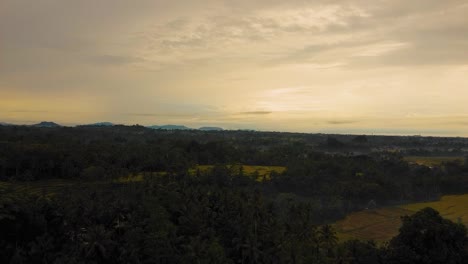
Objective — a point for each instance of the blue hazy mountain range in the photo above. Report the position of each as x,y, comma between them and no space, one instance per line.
41,124
100,124
211,128
108,124
46,124
180,127
171,127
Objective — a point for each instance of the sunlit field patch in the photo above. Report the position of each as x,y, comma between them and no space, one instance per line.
131,178
453,207
260,172
382,224
51,186
44,188
432,161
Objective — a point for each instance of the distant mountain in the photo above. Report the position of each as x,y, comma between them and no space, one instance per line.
211,129
101,124
5,124
180,127
46,124
171,127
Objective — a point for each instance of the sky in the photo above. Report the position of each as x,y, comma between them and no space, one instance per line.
323,66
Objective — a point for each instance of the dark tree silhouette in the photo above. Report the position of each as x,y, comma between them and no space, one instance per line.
426,237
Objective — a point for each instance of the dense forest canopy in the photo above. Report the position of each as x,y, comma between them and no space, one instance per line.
177,213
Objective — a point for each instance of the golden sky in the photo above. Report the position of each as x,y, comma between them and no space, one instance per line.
359,66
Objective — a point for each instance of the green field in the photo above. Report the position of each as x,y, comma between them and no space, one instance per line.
39,188
49,187
263,172
383,224
432,161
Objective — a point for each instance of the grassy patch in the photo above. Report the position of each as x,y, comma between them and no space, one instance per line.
453,207
262,172
52,186
432,161
39,188
379,225
383,224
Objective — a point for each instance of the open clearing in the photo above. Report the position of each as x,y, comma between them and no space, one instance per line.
262,172
51,186
39,188
383,224
432,161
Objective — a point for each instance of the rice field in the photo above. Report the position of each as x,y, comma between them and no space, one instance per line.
262,172
453,207
44,188
432,161
48,188
383,224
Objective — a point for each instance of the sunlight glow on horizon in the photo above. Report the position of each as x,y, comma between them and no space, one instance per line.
357,66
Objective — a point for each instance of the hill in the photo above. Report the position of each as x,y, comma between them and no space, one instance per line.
181,127
211,129
170,127
46,124
100,124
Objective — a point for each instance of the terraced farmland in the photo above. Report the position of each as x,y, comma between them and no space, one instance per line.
383,224
39,188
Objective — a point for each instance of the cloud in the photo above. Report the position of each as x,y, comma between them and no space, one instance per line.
341,122
256,113
28,111
115,60
201,61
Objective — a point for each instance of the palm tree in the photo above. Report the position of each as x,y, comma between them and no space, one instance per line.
328,239
96,243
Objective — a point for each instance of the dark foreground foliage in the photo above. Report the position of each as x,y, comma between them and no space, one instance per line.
189,220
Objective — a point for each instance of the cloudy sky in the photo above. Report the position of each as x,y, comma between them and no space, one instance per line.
357,66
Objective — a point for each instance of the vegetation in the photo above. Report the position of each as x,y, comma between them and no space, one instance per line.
259,173
134,195
382,224
426,237
433,161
